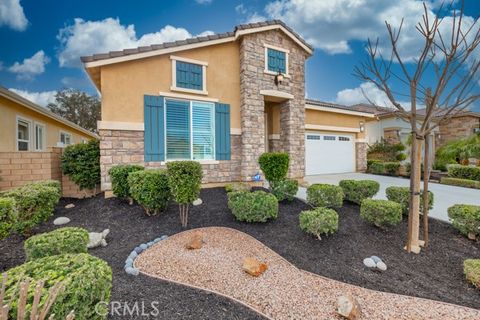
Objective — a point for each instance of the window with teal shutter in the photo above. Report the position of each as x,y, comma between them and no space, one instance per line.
276,61
177,129
189,75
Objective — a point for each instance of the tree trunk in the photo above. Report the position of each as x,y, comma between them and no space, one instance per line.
413,244
426,179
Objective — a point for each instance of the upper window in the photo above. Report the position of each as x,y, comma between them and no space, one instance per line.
23,135
276,61
65,138
39,137
188,75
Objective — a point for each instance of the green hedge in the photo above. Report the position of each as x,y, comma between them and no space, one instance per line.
460,182
49,183
59,241
274,165
465,218
381,213
319,221
119,177
325,195
401,195
150,189
257,206
237,186
357,190
464,172
471,269
87,281
7,217
388,168
284,189
81,162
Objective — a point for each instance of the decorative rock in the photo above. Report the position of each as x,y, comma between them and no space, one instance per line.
163,237
470,236
369,263
348,307
129,262
132,271
157,240
96,239
143,246
375,259
196,242
381,266
61,221
138,250
149,244
70,206
253,267
197,202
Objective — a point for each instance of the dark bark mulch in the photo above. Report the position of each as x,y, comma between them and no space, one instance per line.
436,273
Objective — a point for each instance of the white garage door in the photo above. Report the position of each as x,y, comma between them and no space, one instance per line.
329,153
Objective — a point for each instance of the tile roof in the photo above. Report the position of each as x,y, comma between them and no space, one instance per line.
339,106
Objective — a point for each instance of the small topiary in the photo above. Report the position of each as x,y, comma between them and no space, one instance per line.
466,183
150,189
401,195
285,189
7,217
319,221
257,206
119,177
325,195
357,190
59,241
237,186
471,269
81,163
466,219
381,212
87,281
274,165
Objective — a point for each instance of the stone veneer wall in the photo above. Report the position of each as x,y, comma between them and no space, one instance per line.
361,156
391,135
456,128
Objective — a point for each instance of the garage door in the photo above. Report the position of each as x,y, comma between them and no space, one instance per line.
329,153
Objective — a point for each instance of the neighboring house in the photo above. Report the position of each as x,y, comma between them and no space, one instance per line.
29,127
222,100
462,125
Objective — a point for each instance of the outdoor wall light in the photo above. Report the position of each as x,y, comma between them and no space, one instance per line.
362,126
279,78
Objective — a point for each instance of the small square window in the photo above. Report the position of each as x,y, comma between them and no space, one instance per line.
189,75
276,61
65,138
23,135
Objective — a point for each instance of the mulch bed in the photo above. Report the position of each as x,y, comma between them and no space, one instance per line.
436,273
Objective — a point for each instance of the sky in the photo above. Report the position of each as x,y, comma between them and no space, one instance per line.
42,41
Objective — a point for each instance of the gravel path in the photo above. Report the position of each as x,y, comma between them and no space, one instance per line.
283,291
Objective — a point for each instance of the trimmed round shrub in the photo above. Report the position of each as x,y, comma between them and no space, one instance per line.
392,168
59,241
376,167
471,269
81,163
464,172
119,177
381,213
7,217
150,189
87,281
325,195
284,189
466,219
319,221
357,190
274,165
237,186
49,183
401,195
257,206
466,183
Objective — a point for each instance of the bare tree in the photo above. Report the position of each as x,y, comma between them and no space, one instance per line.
450,57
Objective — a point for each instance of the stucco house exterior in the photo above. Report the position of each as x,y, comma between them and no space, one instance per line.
222,100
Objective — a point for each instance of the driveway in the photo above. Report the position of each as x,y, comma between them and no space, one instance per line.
445,196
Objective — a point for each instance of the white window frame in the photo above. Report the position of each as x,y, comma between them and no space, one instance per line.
269,46
174,75
29,141
44,127
60,138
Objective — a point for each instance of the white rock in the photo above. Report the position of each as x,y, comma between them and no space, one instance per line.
369,263
69,206
60,221
197,202
96,239
376,259
381,266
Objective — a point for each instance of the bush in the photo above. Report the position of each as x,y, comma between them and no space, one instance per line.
389,168
357,190
49,183
34,203
381,212
81,162
466,219
119,177
7,217
325,195
464,172
392,168
461,182
386,151
150,189
87,281
471,269
274,165
237,186
319,221
285,189
456,151
59,241
401,195
257,206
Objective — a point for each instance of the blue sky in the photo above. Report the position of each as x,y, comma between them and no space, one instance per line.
42,40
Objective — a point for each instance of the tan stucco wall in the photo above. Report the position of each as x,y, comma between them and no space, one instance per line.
124,84
9,111
318,117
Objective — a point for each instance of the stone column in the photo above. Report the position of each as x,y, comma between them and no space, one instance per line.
292,135
361,156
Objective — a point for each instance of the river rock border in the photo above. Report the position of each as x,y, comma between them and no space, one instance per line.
129,263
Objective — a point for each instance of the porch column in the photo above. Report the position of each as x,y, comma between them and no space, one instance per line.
292,135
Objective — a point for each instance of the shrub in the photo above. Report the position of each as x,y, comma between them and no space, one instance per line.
7,217
464,172
325,195
59,241
386,151
274,165
471,269
466,219
81,162
319,221
237,186
381,212
257,206
184,180
357,190
456,151
285,189
376,167
391,168
150,189
401,195
87,281
119,177
34,203
49,183
461,182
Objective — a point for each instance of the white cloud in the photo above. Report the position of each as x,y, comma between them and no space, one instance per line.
30,67
40,98
255,17
241,9
203,1
89,37
12,15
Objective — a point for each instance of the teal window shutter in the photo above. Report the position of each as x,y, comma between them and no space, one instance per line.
276,60
154,141
222,131
189,75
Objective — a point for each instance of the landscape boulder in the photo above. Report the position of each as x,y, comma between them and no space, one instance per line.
254,267
96,239
348,307
197,202
196,241
70,206
61,221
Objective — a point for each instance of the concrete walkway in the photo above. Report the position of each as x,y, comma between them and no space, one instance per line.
444,196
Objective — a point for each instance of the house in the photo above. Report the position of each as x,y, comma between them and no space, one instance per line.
222,100
460,126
